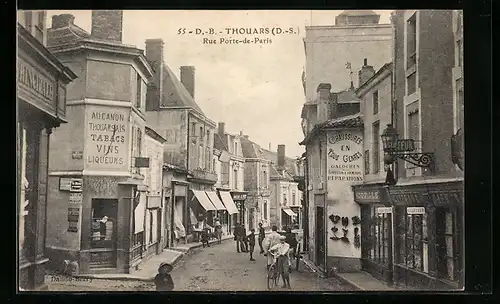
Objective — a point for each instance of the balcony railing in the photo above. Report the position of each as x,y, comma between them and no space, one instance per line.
202,174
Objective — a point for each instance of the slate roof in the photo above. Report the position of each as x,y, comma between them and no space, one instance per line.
358,13
349,121
174,92
220,142
250,149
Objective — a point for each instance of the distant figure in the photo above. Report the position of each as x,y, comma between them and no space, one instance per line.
262,236
238,237
205,236
163,280
251,242
244,238
218,230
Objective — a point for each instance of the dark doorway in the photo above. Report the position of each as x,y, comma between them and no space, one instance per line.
103,233
320,237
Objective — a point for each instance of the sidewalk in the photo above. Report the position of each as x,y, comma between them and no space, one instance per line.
147,270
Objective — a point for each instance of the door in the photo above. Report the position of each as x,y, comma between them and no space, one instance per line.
320,237
103,233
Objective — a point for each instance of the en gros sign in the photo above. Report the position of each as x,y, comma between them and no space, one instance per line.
345,156
107,139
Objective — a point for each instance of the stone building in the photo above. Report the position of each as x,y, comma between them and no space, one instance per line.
286,199
229,165
42,82
95,182
428,201
334,51
172,111
257,184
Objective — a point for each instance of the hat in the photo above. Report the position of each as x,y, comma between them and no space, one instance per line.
167,265
282,237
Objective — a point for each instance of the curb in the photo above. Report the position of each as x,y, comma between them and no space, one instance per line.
127,277
347,282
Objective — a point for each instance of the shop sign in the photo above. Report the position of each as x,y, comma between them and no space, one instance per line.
345,157
384,210
35,81
73,227
64,184
239,197
76,185
75,198
73,214
367,195
77,155
415,210
107,143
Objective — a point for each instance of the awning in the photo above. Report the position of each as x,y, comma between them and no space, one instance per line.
289,212
215,200
202,197
228,202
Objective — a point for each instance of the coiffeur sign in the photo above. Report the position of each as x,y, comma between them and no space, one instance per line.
107,139
345,157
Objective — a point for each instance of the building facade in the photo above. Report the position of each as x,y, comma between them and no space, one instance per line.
41,106
230,167
426,213
376,243
172,111
96,183
333,52
257,183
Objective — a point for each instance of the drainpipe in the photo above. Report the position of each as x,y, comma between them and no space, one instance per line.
186,214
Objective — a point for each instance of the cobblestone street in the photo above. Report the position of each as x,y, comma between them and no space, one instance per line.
218,268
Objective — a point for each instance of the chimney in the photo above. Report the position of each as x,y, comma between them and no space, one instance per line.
187,78
281,156
62,20
323,101
221,128
107,25
323,91
154,54
366,72
269,147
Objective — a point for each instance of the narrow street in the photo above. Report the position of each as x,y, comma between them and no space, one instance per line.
218,268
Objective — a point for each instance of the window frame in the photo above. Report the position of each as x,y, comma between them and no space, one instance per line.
408,241
367,161
375,104
376,147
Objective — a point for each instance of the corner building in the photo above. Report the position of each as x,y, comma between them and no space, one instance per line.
96,191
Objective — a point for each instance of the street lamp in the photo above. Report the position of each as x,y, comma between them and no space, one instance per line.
394,148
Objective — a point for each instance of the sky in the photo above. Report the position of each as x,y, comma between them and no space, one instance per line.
254,89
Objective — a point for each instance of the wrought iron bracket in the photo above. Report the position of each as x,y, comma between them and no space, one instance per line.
422,160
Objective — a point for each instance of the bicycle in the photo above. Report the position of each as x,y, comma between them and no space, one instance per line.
273,274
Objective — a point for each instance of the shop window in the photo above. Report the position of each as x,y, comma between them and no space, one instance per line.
413,242
379,236
447,245
104,213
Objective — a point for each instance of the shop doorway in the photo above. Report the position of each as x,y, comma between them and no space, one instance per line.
103,233
320,237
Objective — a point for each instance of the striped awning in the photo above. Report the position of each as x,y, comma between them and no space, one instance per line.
215,200
228,202
289,212
203,199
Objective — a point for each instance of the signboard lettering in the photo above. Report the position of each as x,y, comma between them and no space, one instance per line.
345,158
384,209
77,154
73,227
415,210
75,198
367,195
73,214
76,185
35,81
107,145
64,184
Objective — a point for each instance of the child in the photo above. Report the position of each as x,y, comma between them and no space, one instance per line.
163,280
205,237
251,242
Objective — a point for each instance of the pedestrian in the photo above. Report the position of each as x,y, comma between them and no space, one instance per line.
163,280
251,242
283,264
237,237
271,239
205,233
292,241
244,238
218,230
262,235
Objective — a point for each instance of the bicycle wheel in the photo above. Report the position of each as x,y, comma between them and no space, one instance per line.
271,277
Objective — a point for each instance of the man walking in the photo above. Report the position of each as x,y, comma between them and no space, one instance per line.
237,237
244,240
262,235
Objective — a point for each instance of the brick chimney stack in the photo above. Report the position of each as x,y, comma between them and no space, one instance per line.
62,20
107,25
281,156
366,72
323,102
221,130
154,54
187,78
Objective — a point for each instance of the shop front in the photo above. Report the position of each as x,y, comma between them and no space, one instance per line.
221,212
41,106
246,216
200,210
376,230
175,202
231,207
288,217
429,239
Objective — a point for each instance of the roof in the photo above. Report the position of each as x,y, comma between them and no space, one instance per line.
220,142
155,135
345,122
358,13
387,66
174,92
347,95
250,149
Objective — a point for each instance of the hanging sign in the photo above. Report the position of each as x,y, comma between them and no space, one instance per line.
415,210
384,210
76,185
65,184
